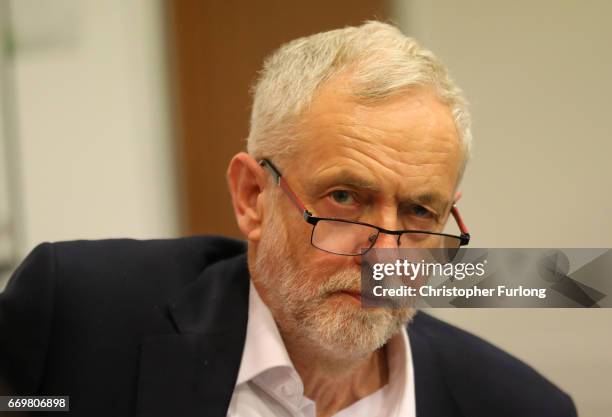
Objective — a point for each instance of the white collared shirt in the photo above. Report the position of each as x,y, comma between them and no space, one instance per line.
269,385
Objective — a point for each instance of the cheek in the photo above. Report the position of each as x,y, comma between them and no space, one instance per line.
312,266
297,237
319,266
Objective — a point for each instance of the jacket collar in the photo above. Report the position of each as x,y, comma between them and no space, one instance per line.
432,393
193,373
217,302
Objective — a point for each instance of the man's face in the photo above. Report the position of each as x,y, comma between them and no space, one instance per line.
393,164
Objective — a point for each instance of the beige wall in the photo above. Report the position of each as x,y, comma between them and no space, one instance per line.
5,209
538,76
94,134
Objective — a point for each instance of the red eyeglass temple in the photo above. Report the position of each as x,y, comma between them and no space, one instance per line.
459,220
294,198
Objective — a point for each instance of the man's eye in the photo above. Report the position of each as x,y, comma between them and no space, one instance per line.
342,197
421,211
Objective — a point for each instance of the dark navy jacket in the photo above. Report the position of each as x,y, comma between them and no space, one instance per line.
157,328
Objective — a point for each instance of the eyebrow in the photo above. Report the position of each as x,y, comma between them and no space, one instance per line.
350,179
345,177
431,198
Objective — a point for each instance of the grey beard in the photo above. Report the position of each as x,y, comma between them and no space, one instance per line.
343,331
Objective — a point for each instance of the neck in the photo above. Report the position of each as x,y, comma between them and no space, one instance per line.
334,384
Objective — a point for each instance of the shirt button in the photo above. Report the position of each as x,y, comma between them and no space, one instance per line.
288,389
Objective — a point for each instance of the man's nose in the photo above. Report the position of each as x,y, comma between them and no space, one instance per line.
387,219
388,254
386,241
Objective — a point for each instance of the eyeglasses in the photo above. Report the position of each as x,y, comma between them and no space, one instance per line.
353,238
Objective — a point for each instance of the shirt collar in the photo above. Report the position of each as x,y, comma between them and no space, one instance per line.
401,375
264,348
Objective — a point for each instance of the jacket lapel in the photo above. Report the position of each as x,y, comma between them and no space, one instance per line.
432,395
193,373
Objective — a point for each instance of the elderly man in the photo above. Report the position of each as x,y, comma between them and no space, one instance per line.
357,135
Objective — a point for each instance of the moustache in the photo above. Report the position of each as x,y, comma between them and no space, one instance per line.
348,281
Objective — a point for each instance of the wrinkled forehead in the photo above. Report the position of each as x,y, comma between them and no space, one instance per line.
408,140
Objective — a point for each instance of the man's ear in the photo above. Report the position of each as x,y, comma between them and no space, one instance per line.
246,181
457,197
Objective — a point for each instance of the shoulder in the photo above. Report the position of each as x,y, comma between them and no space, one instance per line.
128,257
482,377
69,302
199,249
113,272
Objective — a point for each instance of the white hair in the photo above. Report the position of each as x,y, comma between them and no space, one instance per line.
382,61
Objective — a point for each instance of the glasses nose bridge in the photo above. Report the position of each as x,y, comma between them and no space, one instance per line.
387,236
